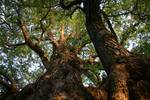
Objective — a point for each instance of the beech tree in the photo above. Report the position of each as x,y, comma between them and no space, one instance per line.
110,26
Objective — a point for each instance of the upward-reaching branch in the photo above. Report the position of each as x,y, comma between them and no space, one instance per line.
24,30
32,45
62,34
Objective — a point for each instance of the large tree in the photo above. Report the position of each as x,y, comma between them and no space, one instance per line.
124,69
127,73
62,79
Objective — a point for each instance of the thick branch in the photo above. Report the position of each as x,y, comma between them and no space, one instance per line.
24,31
34,46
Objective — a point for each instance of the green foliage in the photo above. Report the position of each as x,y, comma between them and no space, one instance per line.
21,63
130,19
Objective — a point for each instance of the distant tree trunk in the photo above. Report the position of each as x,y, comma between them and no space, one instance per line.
125,71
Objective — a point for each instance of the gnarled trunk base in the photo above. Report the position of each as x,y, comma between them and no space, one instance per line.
62,82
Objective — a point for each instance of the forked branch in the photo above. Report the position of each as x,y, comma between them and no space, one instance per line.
33,46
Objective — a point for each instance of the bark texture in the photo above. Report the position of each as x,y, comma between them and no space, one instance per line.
61,82
120,65
128,74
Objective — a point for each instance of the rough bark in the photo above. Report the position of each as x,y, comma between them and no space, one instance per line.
116,60
127,74
61,82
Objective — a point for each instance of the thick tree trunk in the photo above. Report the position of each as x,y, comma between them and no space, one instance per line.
127,74
61,82
116,60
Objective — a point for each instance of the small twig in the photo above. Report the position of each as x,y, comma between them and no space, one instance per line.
13,46
41,23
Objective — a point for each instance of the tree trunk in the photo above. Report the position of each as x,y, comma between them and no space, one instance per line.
127,74
61,82
116,60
